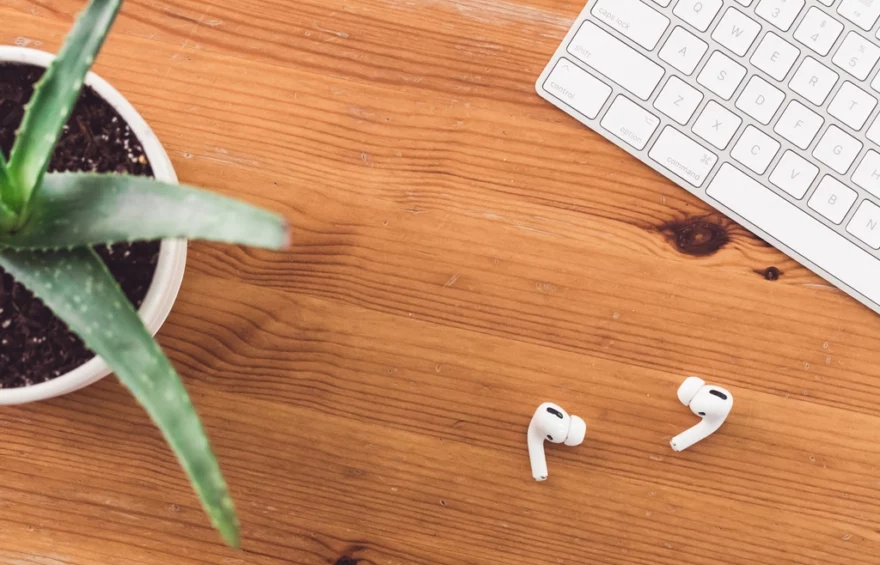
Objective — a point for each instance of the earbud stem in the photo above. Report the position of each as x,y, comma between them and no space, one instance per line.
699,432
536,455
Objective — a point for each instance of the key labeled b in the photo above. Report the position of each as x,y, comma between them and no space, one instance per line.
833,199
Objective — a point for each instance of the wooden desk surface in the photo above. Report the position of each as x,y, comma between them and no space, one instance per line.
463,252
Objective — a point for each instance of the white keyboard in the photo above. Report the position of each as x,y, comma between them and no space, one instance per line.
766,109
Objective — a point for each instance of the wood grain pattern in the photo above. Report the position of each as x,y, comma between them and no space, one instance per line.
463,251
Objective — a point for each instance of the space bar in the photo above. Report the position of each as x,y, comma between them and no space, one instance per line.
797,230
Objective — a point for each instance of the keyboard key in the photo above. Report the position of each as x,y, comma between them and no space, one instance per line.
663,3
833,199
678,100
794,174
616,60
867,174
856,55
736,31
813,81
818,31
780,13
745,3
827,2
721,75
683,50
698,13
760,100
633,19
865,224
755,149
630,122
577,88
775,56
761,207
873,132
837,149
875,84
798,124
683,156
852,105
717,124
863,13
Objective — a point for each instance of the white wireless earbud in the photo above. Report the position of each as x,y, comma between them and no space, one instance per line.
553,424
711,403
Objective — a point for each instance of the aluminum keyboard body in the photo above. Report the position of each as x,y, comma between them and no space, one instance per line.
765,109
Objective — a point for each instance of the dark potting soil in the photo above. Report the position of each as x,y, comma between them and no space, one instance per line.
35,346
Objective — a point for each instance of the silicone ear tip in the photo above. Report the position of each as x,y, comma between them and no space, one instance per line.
577,431
689,389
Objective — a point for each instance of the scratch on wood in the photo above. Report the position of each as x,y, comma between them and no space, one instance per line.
339,34
452,280
526,228
491,11
820,286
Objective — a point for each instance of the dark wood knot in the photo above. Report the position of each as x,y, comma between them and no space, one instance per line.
770,273
698,237
346,560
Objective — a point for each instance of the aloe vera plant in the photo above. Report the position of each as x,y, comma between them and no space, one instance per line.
50,221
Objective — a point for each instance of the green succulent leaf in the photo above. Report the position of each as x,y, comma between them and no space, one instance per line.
8,218
77,286
4,178
72,210
54,98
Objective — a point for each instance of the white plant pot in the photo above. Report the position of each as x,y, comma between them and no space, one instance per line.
172,255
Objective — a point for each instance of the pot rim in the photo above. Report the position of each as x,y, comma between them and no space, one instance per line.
172,254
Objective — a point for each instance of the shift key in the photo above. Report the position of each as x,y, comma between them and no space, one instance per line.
683,156
616,60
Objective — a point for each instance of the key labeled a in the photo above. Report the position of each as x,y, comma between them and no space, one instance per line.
683,50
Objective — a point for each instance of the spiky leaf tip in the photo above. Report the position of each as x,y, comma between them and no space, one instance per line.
79,289
54,98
